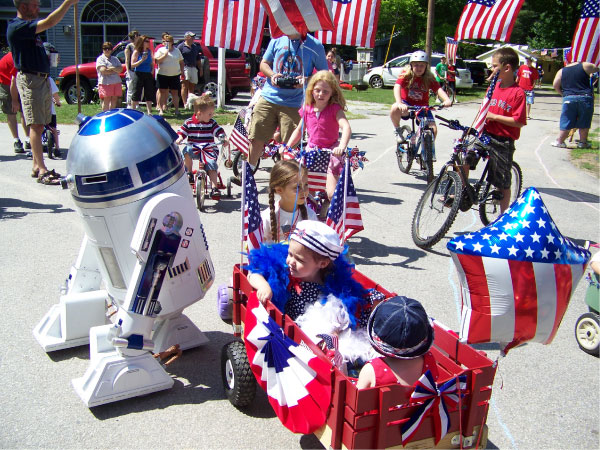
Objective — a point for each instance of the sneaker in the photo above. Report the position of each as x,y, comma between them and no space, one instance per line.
19,147
456,101
584,144
29,155
437,101
559,144
215,194
27,145
399,138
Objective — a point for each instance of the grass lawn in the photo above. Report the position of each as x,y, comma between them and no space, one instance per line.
589,158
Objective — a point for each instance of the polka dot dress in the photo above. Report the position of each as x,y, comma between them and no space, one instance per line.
297,303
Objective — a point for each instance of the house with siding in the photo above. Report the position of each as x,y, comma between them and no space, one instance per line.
110,20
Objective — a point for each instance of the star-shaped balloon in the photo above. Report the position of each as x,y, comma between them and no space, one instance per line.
517,275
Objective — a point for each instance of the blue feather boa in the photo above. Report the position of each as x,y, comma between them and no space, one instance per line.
269,261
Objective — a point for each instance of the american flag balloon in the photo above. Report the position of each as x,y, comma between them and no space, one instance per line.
517,276
297,382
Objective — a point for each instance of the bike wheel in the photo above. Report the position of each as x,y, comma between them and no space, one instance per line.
237,164
404,153
489,209
427,143
437,209
200,189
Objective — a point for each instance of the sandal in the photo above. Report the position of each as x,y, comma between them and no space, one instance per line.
50,178
35,173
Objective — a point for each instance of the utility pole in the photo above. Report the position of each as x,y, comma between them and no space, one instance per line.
430,16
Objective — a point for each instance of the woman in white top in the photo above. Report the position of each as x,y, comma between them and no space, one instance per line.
168,78
109,68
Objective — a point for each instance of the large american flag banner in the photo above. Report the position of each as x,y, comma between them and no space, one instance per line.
316,162
234,24
488,19
479,122
517,275
585,46
252,232
288,17
451,47
239,136
344,211
354,22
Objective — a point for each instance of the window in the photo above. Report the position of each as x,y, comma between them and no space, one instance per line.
101,21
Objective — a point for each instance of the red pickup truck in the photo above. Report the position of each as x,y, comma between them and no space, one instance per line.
237,74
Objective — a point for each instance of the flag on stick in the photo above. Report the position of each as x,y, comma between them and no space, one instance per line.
252,231
485,106
239,136
586,39
344,211
354,21
488,19
288,17
316,162
451,47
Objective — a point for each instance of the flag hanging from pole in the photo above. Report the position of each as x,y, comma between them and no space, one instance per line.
354,22
451,47
585,46
253,228
288,17
344,211
234,24
485,106
488,19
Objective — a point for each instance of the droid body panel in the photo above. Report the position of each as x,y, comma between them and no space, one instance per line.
144,251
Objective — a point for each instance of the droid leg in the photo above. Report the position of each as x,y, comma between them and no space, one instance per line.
82,305
162,285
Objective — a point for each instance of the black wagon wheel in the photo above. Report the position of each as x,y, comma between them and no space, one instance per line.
489,210
437,209
237,376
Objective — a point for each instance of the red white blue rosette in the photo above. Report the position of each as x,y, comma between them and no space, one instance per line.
297,382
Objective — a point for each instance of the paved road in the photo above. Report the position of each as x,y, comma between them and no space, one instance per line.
544,396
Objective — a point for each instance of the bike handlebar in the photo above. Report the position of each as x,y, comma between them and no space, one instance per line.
456,125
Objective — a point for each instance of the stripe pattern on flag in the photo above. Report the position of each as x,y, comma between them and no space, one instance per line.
488,19
289,17
451,47
586,39
253,227
239,136
345,221
316,162
479,122
355,23
234,24
516,275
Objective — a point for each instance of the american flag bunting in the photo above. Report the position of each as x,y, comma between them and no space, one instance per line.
234,24
288,17
253,228
355,23
344,211
488,19
585,46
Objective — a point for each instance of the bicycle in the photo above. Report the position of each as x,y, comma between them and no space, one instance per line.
416,142
200,182
451,191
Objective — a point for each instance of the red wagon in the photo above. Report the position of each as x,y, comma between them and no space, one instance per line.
372,418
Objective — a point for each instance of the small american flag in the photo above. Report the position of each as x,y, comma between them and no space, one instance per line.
235,24
586,39
355,23
316,162
451,47
287,17
253,227
346,221
566,55
488,19
239,136
485,106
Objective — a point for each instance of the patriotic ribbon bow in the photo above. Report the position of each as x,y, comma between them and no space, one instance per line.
436,401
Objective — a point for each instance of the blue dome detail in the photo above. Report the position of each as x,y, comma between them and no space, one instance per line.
107,121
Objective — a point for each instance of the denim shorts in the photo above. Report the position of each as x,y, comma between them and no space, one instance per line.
210,165
529,97
577,112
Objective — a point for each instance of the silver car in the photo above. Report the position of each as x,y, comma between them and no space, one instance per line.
386,75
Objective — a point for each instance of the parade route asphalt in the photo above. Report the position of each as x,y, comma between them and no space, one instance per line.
544,397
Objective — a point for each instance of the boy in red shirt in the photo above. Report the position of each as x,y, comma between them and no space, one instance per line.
526,77
503,124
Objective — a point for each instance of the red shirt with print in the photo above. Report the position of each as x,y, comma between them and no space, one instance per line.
416,94
527,76
7,69
508,102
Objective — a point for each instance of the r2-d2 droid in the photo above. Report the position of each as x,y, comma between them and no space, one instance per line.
144,251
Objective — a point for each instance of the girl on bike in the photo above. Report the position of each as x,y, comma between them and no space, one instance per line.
323,116
291,185
412,89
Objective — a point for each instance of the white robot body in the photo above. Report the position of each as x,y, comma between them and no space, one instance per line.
144,251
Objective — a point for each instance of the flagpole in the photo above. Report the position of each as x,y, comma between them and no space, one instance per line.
346,169
389,44
244,162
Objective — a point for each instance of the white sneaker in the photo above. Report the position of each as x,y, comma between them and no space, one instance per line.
559,144
437,101
399,138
